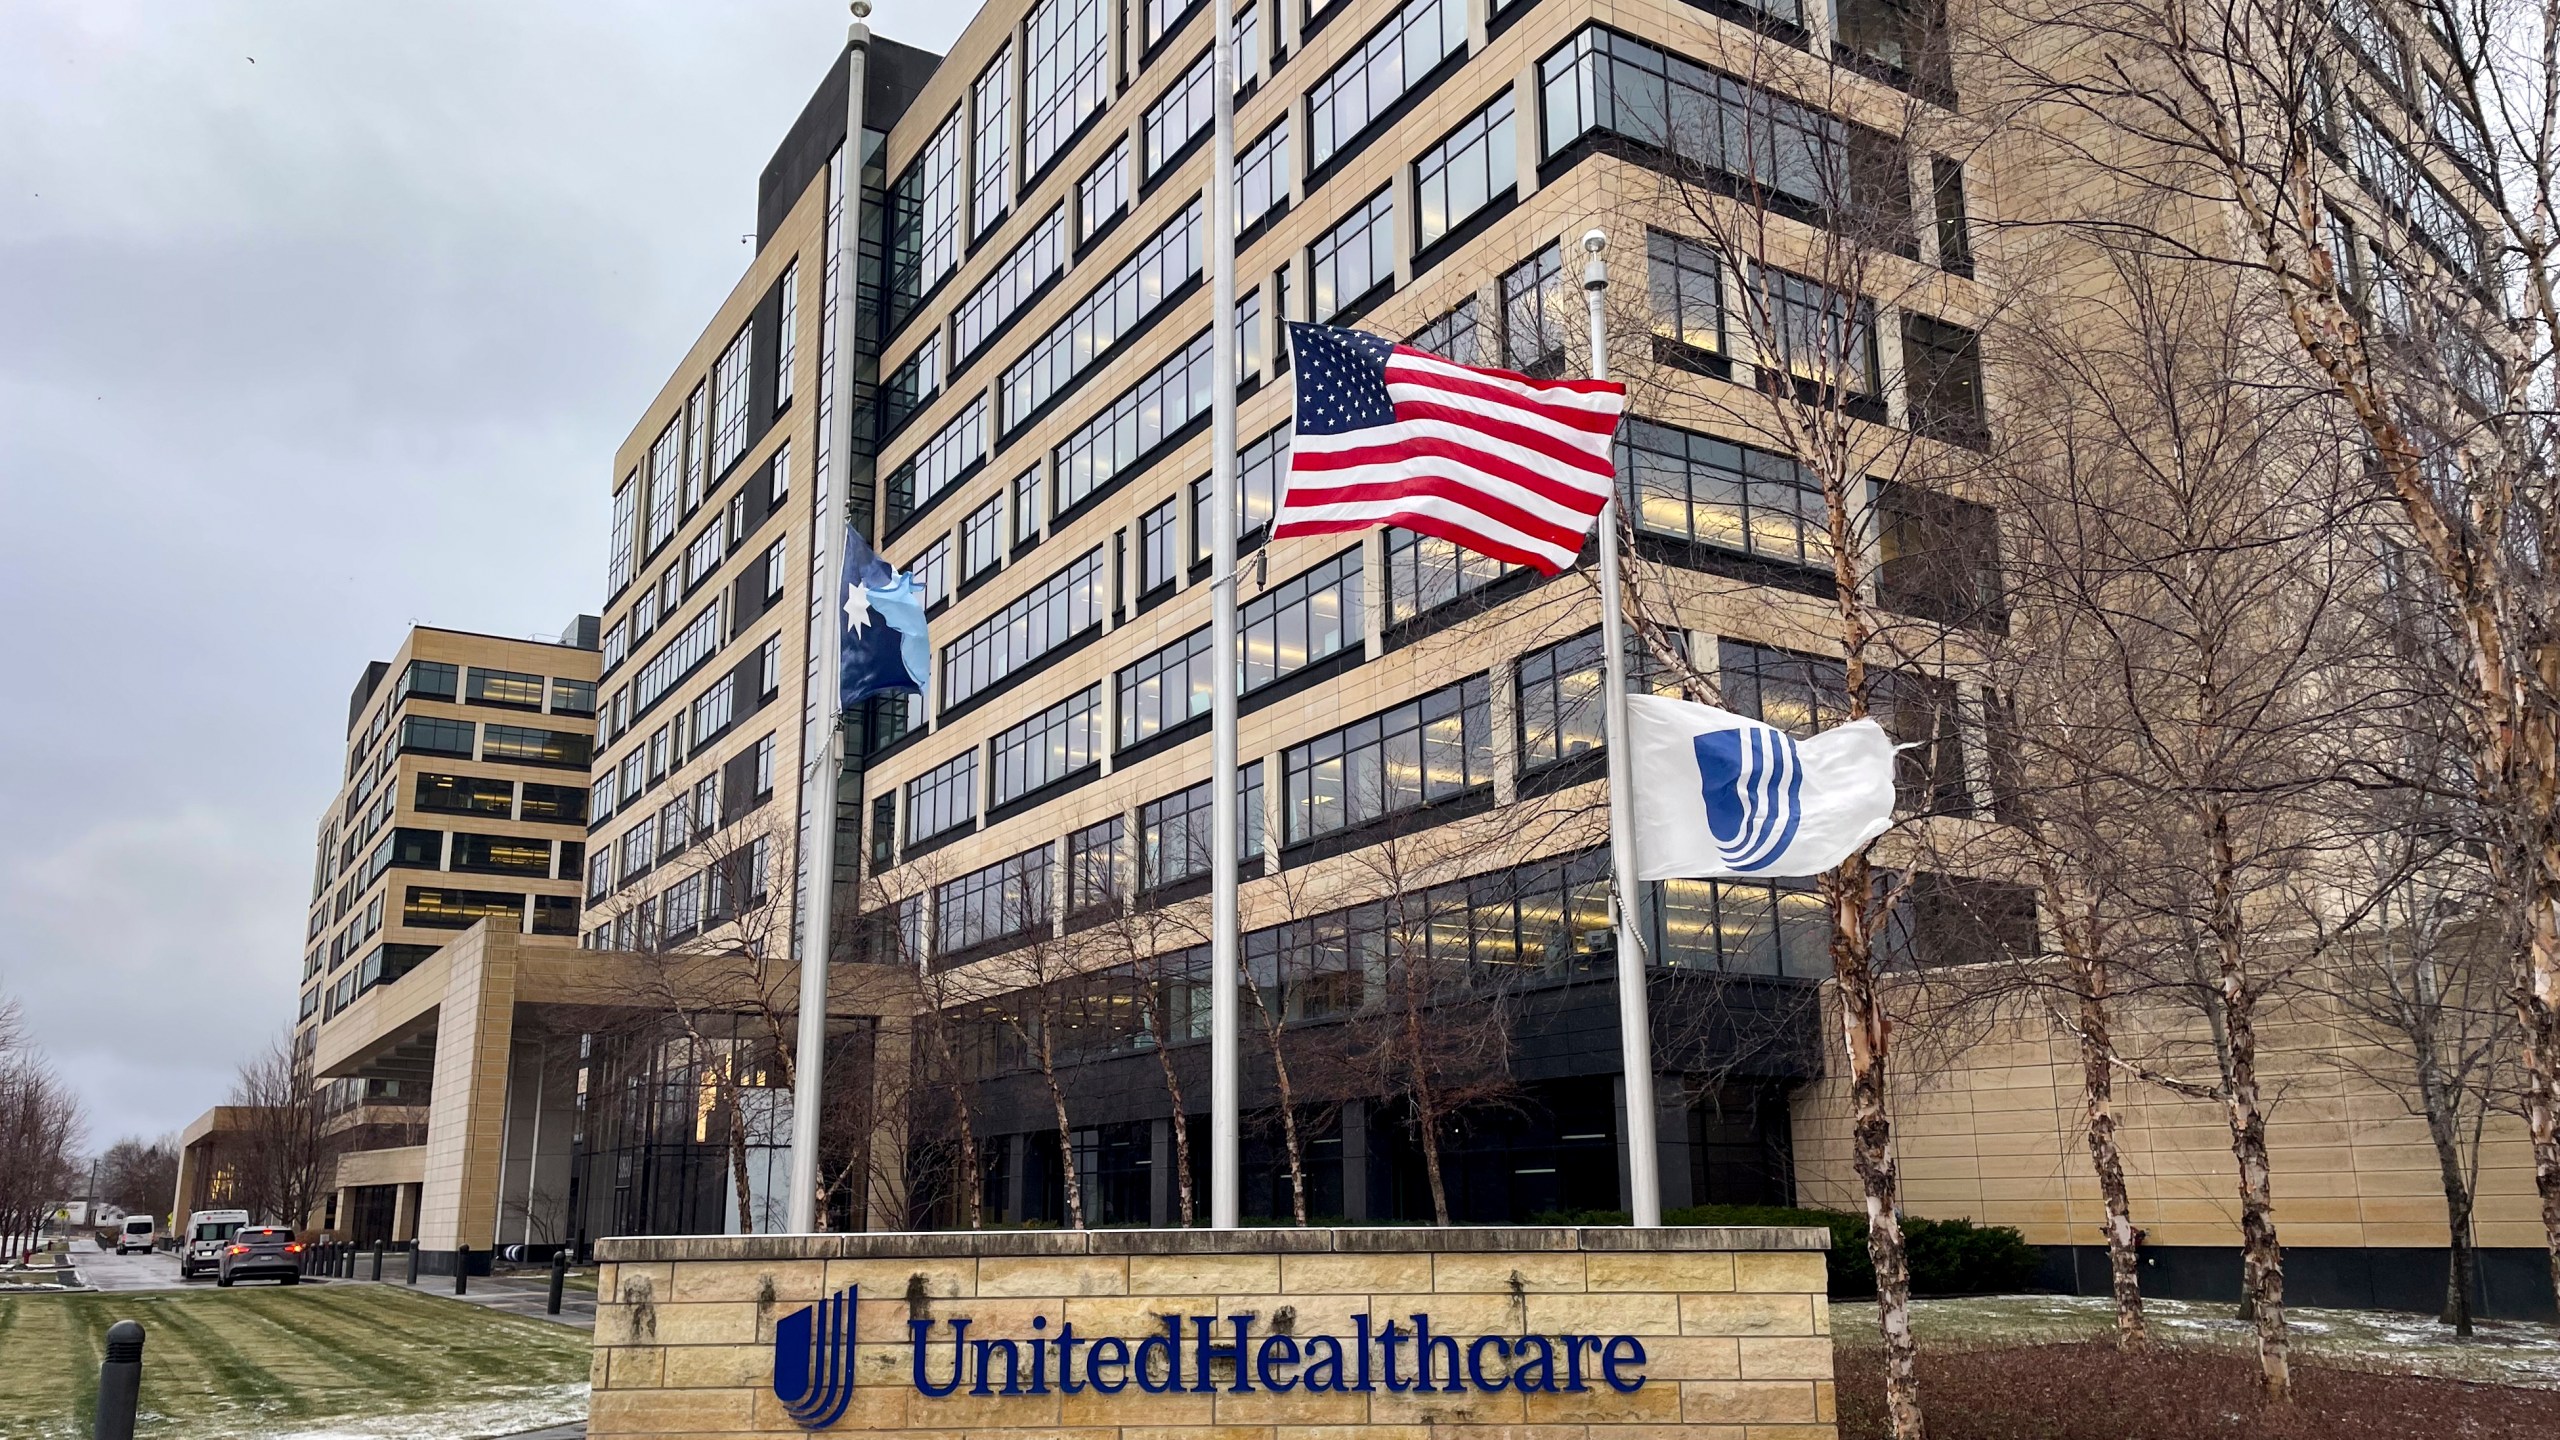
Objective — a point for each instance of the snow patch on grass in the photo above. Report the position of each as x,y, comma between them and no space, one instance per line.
536,1410
2501,1352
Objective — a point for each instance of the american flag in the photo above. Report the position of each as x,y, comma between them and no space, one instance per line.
1502,464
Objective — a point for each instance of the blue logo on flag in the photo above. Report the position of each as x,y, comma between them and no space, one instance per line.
1753,781
883,632
813,1359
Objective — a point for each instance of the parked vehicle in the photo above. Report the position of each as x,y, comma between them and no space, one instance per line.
200,1249
140,1232
260,1252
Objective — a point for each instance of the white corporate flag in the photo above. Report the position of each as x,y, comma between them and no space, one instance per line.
1722,794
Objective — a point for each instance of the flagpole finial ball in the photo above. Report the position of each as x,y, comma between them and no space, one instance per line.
1595,241
861,9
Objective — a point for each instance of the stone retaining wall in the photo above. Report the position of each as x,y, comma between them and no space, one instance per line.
1732,1324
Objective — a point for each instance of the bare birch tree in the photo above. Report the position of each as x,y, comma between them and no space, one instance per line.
2385,173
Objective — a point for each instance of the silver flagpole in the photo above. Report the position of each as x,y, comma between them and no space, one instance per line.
1225,848
820,774
1635,1018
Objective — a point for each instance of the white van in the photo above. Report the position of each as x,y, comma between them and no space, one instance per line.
140,1232
200,1253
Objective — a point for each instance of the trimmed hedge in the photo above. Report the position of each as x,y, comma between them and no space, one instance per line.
1948,1257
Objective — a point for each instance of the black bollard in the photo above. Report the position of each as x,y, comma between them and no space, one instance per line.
462,1270
559,1277
377,1261
411,1264
120,1381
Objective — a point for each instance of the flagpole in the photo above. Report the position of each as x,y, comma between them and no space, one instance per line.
1635,1019
1225,848
820,775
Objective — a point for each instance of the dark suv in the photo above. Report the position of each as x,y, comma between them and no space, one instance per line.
260,1252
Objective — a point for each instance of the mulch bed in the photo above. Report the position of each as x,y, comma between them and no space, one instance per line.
2092,1392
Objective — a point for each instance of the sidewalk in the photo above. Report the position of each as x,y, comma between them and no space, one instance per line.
523,1294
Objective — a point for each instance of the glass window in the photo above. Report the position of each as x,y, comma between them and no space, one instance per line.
1181,113
1164,15
786,340
954,453
1471,167
1685,289
1093,868
1388,63
1247,328
1534,314
572,697
764,767
1027,516
918,378
1262,175
1004,901
666,472
680,656
713,709
1562,715
1132,426
1424,573
467,794
1065,605
1426,750
1298,622
1159,547
884,831
1816,333
1938,556
1354,257
1709,491
1066,74
532,747
774,566
982,539
1103,192
501,854
1174,838
559,804
1942,370
421,735
944,798
1025,270
932,570
729,399
1164,689
458,909
1163,265
1048,747
1744,927
505,687
1458,335
1946,193
923,221
626,504
697,432
704,555
993,142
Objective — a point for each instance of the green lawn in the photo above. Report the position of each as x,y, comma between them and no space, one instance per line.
271,1361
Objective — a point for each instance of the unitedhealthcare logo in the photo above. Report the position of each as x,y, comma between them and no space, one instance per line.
1753,781
813,1359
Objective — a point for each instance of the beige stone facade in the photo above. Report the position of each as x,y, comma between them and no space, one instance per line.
1733,1327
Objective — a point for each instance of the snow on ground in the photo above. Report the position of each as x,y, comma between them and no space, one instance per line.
512,1415
2501,1352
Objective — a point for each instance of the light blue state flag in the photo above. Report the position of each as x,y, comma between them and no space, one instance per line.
1722,794
882,627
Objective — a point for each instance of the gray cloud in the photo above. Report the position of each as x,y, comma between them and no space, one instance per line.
293,352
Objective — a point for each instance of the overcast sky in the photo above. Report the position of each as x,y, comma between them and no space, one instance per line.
317,318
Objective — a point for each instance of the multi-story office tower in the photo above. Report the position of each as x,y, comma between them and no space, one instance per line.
1420,729
465,798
